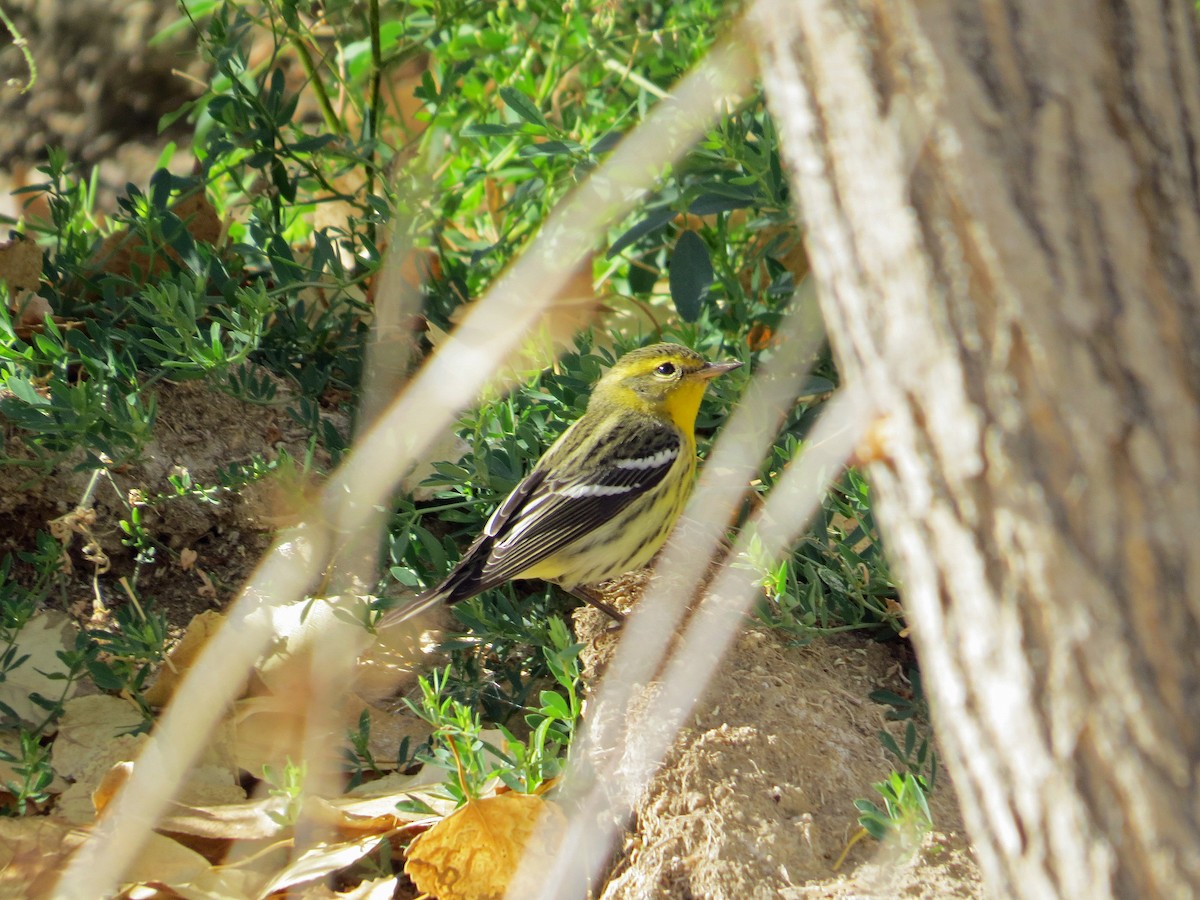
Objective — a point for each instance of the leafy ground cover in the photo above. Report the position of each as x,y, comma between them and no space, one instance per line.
178,373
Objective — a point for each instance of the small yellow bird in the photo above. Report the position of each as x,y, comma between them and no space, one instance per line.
605,496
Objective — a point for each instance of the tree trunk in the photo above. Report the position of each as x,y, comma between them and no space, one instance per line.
1003,213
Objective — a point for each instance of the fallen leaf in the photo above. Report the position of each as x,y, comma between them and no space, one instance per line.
87,729
211,781
162,860
166,868
474,853
269,730
760,337
76,804
112,781
182,655
127,254
207,589
30,312
378,889
37,646
33,851
249,820
391,788
322,861
21,264
299,626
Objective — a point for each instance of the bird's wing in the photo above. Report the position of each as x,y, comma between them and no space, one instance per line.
548,512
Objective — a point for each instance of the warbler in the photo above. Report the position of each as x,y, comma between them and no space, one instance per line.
605,496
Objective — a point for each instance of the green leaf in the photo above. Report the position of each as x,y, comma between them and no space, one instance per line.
23,391
551,148
606,142
691,275
522,106
313,144
711,204
644,274
483,129
554,705
648,225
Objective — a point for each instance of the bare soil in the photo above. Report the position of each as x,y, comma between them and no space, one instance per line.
756,798
198,430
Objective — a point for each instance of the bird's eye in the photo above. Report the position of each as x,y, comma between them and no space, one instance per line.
666,369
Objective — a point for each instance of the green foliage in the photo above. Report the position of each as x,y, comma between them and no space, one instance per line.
917,756
286,784
128,652
527,766
838,578
455,744
905,810
31,765
360,760
539,759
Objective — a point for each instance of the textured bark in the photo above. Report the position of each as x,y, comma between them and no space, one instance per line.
1003,208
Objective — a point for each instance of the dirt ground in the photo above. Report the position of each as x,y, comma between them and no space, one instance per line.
756,798
198,431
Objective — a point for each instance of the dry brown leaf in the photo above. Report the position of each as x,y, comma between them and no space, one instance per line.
40,640
125,254
112,781
200,217
760,337
181,657
33,851
376,813
378,889
207,589
21,264
165,861
474,853
249,820
76,803
167,868
268,730
29,314
212,781
87,729
300,626
379,797
322,861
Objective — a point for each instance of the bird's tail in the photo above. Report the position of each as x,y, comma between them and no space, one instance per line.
462,583
413,608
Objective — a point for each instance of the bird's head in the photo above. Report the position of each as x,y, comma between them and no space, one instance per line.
662,380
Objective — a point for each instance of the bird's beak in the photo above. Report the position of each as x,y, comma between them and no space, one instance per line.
712,370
